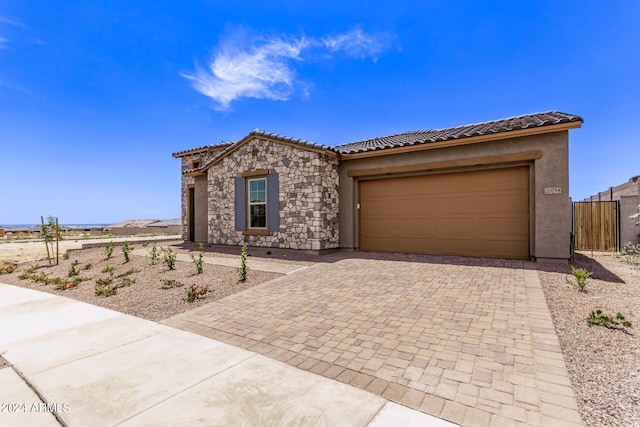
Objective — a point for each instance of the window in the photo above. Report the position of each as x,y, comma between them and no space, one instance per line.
195,164
258,203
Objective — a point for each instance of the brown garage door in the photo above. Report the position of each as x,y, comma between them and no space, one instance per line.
480,213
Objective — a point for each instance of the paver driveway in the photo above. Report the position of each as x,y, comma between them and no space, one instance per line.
467,340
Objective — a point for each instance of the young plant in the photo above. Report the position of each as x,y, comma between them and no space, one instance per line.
169,258
65,255
49,231
87,266
7,268
154,254
126,250
109,269
581,277
170,284
63,285
195,292
126,281
598,318
197,261
108,249
127,273
244,268
105,287
74,271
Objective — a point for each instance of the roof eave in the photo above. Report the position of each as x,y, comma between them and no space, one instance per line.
465,140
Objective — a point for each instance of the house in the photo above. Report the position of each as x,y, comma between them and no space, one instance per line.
493,189
169,226
629,196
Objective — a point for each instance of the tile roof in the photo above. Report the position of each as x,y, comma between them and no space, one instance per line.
205,147
467,131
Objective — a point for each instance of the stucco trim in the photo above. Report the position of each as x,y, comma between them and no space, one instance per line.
474,161
465,141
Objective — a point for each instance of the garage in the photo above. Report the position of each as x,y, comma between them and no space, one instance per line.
481,213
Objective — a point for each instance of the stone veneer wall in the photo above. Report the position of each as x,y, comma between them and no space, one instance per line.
308,196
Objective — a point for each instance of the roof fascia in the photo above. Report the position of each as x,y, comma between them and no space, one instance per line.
464,141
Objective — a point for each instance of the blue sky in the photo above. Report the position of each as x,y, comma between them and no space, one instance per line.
96,95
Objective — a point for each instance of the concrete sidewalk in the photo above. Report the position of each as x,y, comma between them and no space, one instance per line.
85,365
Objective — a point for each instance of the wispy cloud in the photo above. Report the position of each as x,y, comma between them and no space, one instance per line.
246,66
4,43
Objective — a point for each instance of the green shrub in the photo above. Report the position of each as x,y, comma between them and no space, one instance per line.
195,292
65,255
73,271
581,277
154,254
598,318
109,269
126,250
197,261
243,270
108,249
87,266
170,284
105,287
169,258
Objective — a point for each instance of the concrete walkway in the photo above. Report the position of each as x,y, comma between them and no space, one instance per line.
234,262
85,365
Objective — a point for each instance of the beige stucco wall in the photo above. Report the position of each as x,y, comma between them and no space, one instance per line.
308,196
550,220
201,221
629,231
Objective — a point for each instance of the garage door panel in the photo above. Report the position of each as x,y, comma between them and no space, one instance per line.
478,213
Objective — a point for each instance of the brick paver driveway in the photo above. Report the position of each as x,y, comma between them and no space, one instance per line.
467,340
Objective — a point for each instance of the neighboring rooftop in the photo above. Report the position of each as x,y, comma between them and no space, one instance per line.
166,223
526,121
203,148
133,223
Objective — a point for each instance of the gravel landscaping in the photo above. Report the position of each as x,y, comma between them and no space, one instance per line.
143,296
603,364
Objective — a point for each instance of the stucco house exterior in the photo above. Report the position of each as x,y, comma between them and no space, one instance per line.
494,189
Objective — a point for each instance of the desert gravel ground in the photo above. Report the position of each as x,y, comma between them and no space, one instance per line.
145,297
603,364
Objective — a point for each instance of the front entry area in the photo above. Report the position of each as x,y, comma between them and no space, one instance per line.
481,213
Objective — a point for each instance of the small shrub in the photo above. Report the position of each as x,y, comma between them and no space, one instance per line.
63,285
65,255
630,254
598,318
108,249
195,292
128,273
581,277
126,281
169,258
197,261
105,287
243,269
154,254
87,266
171,283
126,250
74,271
109,269
7,268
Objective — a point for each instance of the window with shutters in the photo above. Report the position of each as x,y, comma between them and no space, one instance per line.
257,203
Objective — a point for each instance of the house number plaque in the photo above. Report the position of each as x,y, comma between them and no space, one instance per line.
553,190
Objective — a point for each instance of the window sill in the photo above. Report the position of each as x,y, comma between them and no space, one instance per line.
256,233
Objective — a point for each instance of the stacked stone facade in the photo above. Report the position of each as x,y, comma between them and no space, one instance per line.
308,196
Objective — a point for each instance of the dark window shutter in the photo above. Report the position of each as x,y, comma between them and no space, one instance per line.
273,202
241,204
